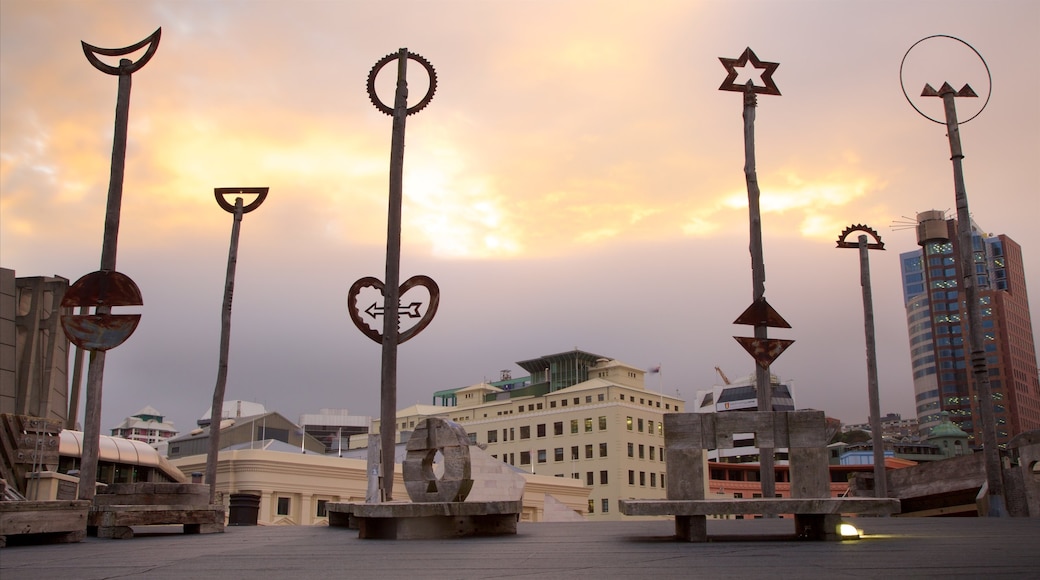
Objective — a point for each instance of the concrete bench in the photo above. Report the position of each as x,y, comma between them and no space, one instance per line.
688,436
814,518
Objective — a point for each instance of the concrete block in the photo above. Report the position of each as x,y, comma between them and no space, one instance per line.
687,472
683,430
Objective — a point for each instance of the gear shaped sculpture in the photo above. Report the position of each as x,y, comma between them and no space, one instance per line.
388,59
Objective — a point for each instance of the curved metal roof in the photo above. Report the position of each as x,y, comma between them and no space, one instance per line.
118,450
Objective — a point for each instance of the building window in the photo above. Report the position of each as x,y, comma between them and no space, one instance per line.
600,397
641,449
283,506
575,476
558,454
631,450
541,456
588,451
653,479
628,423
538,406
525,431
525,458
603,477
588,424
558,428
650,426
602,449
574,426
322,512
574,453
642,478
592,506
492,436
552,404
541,429
589,480
662,480
651,453
472,438
631,477
563,403
603,423
588,398
640,429
605,505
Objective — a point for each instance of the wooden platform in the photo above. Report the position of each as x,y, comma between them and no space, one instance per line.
116,521
814,518
61,521
426,520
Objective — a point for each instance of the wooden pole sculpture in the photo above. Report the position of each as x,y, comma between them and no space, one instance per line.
760,314
880,479
391,336
216,412
996,505
106,287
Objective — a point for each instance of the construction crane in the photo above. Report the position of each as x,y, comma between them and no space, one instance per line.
725,379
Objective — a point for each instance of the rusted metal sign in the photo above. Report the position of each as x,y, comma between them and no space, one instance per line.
411,310
101,331
764,350
768,87
760,313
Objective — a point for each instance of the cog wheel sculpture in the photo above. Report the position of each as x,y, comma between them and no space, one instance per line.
388,59
843,242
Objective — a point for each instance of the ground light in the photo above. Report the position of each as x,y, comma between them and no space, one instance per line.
848,531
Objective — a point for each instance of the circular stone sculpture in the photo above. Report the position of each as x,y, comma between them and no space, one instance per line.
430,436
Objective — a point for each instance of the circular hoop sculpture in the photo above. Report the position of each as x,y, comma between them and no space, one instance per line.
430,436
989,76
388,59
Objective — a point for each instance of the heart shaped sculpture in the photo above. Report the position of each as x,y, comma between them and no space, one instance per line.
410,310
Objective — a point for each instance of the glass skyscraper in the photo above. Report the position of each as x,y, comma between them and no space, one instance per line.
937,325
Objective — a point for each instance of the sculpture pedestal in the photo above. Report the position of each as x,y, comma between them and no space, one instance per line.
426,520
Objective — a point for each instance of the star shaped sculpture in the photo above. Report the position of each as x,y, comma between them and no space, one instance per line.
767,68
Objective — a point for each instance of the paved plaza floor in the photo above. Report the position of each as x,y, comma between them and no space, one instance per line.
891,548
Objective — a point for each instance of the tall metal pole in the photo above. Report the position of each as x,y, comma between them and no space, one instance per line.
217,409
991,456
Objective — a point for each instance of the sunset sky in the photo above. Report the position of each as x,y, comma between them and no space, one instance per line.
576,182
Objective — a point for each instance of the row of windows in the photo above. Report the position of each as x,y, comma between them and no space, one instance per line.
541,455
654,452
